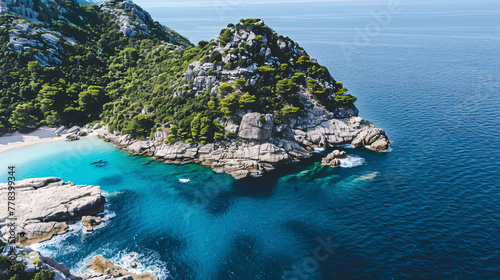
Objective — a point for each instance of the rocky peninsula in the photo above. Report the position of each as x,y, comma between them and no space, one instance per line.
262,145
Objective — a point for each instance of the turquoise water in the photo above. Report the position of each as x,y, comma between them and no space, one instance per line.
430,78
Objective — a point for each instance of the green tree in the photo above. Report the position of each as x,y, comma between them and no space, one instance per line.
44,275
195,127
286,87
202,44
51,98
173,134
240,84
246,100
23,116
92,99
288,110
225,89
226,36
215,57
229,104
140,126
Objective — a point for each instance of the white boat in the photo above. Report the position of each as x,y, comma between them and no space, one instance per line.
184,180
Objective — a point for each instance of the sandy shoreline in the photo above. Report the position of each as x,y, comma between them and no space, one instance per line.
16,140
41,135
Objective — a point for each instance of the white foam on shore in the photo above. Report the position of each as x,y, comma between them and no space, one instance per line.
56,244
146,261
346,146
351,161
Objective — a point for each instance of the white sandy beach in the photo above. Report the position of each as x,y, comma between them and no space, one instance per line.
17,140
41,135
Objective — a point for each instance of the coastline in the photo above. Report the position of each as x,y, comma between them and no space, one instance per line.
17,140
260,146
42,134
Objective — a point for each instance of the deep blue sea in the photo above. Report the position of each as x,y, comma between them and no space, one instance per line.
429,74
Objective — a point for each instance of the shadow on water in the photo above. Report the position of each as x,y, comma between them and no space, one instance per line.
112,180
246,261
262,187
327,257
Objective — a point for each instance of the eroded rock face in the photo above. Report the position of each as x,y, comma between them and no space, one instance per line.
256,126
44,205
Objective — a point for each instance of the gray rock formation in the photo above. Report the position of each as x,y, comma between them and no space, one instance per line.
96,126
107,269
72,137
375,137
89,222
74,129
256,126
44,205
132,19
333,159
268,148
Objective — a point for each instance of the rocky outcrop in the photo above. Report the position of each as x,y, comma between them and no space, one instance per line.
256,126
133,20
45,205
233,157
262,145
333,159
104,267
89,222
373,137
30,29
72,137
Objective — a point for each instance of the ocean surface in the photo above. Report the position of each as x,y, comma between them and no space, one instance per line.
429,74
